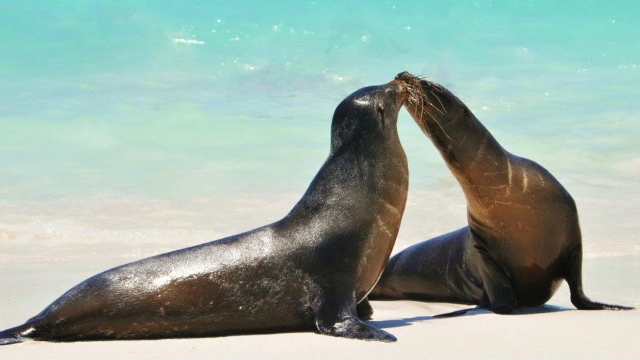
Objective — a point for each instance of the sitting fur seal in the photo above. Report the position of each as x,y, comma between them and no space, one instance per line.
523,236
306,271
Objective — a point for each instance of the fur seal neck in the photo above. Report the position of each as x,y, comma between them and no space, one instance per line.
449,123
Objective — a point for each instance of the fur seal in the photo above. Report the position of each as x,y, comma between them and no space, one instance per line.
523,237
305,271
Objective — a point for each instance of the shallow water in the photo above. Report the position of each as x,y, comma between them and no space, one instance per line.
161,125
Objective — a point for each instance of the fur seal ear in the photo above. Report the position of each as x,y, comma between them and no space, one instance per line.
380,109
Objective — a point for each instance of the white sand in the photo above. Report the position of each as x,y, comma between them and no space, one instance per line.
38,265
532,334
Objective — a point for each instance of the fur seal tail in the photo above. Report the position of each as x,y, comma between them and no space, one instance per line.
16,334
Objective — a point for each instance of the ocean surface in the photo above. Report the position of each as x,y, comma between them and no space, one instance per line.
131,128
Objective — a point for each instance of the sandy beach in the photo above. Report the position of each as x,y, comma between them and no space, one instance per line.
34,274
549,332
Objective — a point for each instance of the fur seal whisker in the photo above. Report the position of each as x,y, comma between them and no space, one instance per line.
440,101
435,107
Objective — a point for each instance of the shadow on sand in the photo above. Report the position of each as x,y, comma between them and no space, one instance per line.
395,323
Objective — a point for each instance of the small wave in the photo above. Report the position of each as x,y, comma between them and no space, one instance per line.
631,166
188,41
609,254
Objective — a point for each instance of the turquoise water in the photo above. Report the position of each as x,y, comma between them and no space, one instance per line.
169,102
